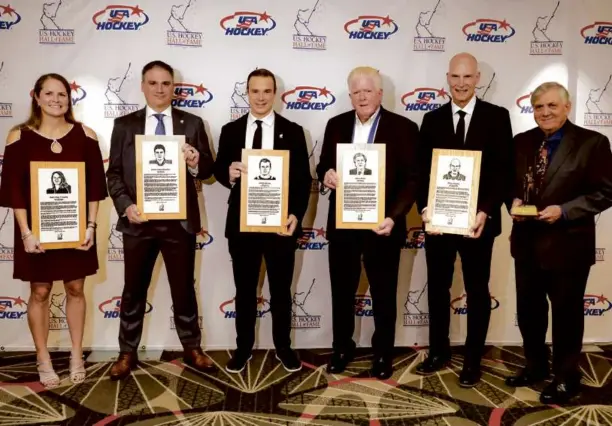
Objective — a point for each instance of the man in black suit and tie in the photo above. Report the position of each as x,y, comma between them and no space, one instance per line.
263,128
465,123
143,240
553,252
369,122
265,167
160,156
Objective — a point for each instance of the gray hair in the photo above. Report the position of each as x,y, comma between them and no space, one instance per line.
545,87
366,72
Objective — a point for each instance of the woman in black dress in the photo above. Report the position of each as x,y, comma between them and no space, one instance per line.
52,134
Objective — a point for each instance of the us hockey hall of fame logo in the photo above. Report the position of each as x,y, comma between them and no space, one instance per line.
425,40
6,236
304,38
240,101
116,106
301,317
542,44
6,108
179,34
115,244
57,312
416,313
51,32
595,115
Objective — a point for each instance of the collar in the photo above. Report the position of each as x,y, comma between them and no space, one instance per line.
557,136
268,120
150,111
468,109
369,120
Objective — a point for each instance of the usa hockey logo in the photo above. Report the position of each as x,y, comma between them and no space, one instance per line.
488,31
524,104
111,308
371,27
424,99
187,95
596,305
120,18
460,306
596,33
308,98
252,24
8,17
228,308
12,308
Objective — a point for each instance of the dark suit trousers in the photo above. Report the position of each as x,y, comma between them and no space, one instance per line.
565,289
247,250
177,247
381,262
441,253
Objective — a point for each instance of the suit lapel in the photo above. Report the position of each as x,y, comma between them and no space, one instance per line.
141,120
178,122
475,124
279,136
565,148
448,128
347,128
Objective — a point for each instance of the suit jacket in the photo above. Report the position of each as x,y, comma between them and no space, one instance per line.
400,135
121,173
366,172
287,136
579,179
490,132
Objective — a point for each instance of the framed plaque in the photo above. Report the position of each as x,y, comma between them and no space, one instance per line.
360,193
264,197
57,194
453,191
161,177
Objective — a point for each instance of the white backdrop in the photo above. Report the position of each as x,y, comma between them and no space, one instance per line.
310,45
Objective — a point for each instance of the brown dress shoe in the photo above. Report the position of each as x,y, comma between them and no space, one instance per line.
196,359
124,365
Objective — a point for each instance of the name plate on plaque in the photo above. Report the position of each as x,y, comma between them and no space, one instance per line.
161,177
57,194
360,193
453,191
264,191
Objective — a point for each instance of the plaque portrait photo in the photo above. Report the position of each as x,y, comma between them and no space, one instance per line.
58,203
161,177
360,194
264,191
453,191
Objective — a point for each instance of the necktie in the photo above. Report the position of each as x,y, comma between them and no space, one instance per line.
460,132
541,165
257,136
160,129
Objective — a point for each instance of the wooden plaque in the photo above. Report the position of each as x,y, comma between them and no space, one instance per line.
267,176
60,185
165,169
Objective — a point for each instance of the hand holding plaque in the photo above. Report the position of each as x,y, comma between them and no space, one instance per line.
525,208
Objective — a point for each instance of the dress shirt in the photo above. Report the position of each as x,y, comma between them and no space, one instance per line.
267,131
361,131
469,112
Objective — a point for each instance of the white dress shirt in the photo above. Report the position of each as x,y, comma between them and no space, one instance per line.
469,112
361,131
267,131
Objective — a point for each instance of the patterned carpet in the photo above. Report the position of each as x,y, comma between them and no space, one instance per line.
167,392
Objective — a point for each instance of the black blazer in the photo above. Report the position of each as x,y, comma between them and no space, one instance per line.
287,136
579,179
490,132
401,138
121,173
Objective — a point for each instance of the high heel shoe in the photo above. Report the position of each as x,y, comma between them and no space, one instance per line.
77,370
47,376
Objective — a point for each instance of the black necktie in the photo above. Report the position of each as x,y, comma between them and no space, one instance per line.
460,132
257,136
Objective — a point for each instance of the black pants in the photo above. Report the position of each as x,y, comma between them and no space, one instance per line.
177,247
381,261
247,250
441,253
565,289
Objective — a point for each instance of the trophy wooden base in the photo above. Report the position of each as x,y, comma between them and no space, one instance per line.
524,211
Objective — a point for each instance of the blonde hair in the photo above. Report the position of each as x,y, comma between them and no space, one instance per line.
365,72
545,87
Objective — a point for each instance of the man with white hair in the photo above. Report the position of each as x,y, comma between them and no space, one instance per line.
553,252
465,123
369,122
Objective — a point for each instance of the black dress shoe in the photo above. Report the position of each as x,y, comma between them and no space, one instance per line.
288,357
469,377
559,392
432,364
338,362
238,361
382,368
527,377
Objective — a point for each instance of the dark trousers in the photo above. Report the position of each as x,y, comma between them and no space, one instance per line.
381,262
565,289
441,253
177,247
247,250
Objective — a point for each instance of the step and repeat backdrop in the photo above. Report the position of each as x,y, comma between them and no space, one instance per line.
311,45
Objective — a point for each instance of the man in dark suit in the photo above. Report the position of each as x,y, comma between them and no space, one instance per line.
263,128
369,122
465,123
553,253
160,155
265,167
360,169
143,240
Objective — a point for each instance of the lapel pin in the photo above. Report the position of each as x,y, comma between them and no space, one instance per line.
280,136
182,121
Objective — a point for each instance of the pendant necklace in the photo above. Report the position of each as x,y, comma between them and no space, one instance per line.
56,147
